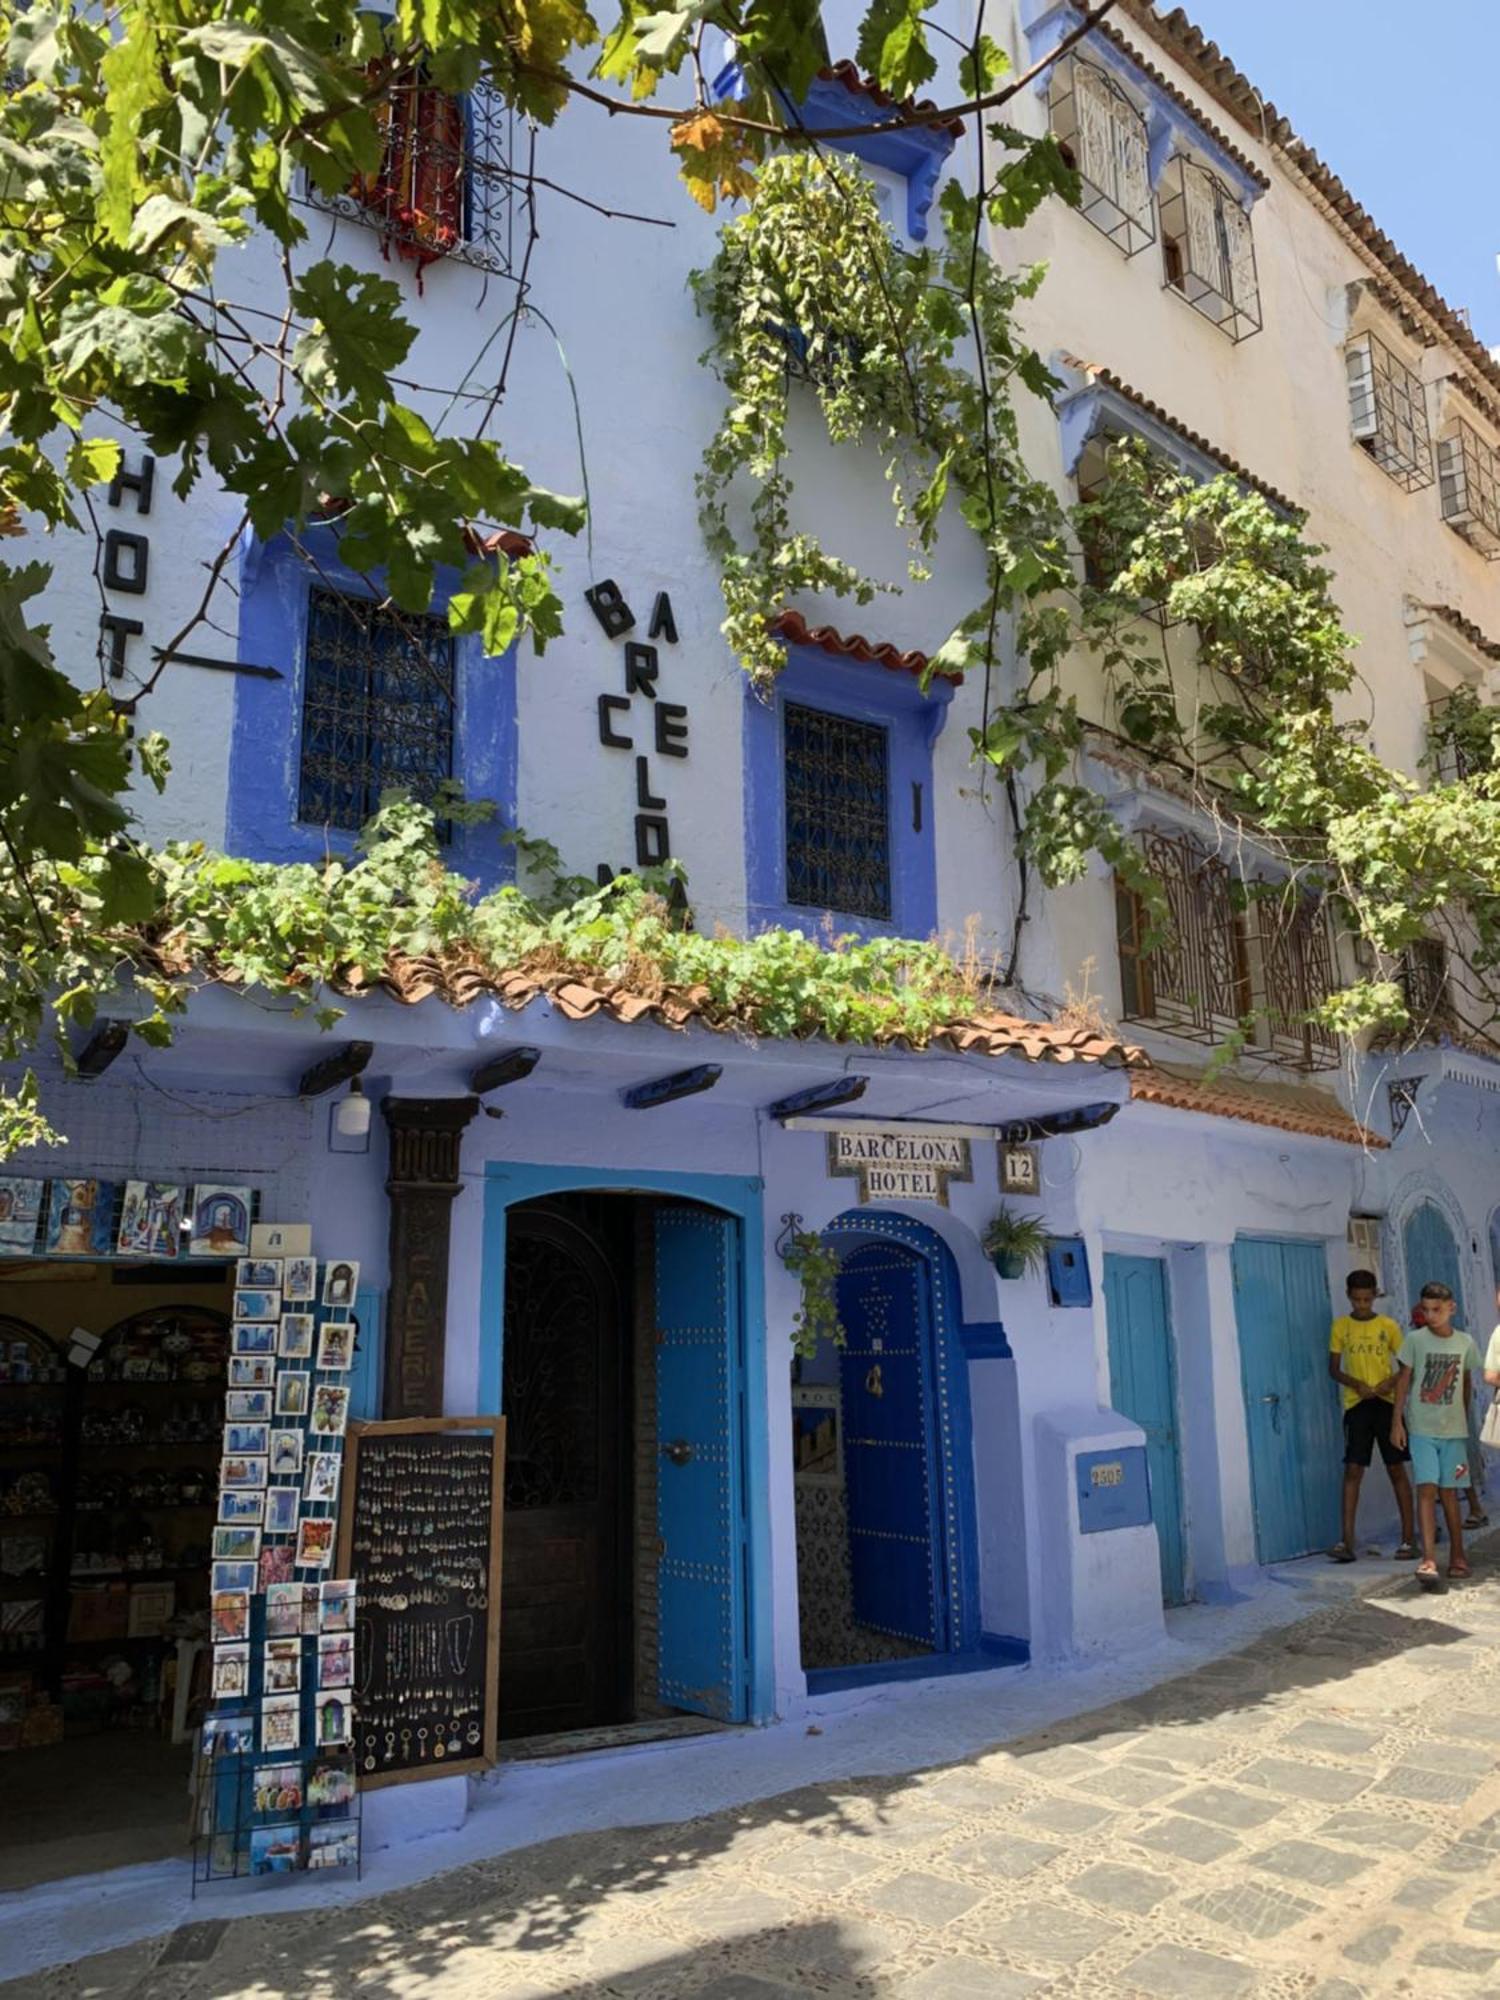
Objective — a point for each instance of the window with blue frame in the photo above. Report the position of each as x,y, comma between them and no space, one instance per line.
838,832
378,697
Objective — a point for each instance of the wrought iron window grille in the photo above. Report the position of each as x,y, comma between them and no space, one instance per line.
377,709
1469,487
479,167
1103,136
1208,253
1231,959
1388,412
1448,760
838,835
1423,978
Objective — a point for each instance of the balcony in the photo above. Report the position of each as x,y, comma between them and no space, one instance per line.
1469,487
1104,138
1207,251
1388,412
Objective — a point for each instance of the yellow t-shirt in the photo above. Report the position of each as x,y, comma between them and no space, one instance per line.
1368,1348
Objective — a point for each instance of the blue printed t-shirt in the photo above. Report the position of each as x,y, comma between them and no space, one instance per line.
1435,1401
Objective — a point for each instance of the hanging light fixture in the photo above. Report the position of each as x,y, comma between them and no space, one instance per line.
351,1117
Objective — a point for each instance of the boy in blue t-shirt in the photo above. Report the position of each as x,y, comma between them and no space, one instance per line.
1438,1358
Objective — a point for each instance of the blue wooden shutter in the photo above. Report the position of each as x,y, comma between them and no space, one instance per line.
699,1596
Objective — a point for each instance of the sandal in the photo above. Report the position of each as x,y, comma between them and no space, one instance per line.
1342,1553
1459,1569
1427,1575
1476,1520
1405,1553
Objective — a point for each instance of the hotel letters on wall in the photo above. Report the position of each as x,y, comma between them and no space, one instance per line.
899,1166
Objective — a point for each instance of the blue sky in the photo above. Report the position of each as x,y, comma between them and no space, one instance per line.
1398,97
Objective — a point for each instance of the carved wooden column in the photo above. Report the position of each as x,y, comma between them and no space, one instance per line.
425,1136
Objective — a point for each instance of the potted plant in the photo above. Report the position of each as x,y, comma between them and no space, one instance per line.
1016,1243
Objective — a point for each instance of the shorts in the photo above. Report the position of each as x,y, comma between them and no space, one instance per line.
1440,1461
1367,1424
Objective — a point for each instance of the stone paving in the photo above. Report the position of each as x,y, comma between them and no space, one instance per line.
1314,1818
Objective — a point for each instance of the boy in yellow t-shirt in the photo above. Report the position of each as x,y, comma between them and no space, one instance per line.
1362,1351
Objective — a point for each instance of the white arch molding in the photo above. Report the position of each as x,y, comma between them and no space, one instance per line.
1409,1194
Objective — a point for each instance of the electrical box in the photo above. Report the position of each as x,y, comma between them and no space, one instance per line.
1068,1272
1113,1489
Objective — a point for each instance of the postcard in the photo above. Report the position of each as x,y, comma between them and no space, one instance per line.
252,1371
236,1544
231,1681
283,1610
334,1718
256,1303
296,1342
314,1544
281,1666
277,1850
235,1507
291,1392
333,1843
151,1218
336,1605
231,1615
335,1659
251,1406
231,1576
300,1281
322,1482
278,1788
240,1438
275,1565
221,1221
228,1735
80,1218
242,1471
286,1454
281,1239
281,1510
281,1722
340,1283
336,1344
258,1273
20,1214
330,1782
251,1336
330,1410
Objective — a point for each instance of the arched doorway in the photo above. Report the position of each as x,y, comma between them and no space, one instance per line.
1431,1253
884,1480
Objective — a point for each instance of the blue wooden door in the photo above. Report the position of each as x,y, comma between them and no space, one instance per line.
1143,1387
1431,1256
899,1576
1291,1405
700,1595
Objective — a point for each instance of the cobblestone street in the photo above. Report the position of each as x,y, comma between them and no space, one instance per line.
1318,1815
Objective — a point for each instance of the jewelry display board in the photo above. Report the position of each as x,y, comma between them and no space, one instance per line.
420,1534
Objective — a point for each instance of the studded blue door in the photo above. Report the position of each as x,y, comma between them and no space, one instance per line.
1143,1387
1431,1257
885,1304
1291,1405
700,1598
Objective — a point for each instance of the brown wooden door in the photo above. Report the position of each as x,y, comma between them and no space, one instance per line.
565,1521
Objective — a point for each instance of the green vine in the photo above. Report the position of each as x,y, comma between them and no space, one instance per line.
816,1267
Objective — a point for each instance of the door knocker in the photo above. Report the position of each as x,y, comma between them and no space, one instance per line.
874,1382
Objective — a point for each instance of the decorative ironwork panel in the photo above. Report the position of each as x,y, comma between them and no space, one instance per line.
1297,974
1207,247
1388,412
1424,982
1450,760
1469,487
445,187
1104,136
377,708
1197,979
551,1389
838,838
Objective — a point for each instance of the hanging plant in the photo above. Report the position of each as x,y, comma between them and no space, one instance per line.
1016,1243
816,1267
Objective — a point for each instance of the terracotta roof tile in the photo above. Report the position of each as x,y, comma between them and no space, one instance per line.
1467,628
1096,372
794,628
1290,1107
985,1032
1168,88
853,79
1229,87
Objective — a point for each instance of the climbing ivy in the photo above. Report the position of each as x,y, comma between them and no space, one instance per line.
815,1265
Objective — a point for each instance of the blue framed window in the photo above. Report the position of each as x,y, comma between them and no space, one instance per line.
839,815
351,698
378,695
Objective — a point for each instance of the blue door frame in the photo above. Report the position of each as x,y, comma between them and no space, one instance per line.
1143,1387
508,1183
